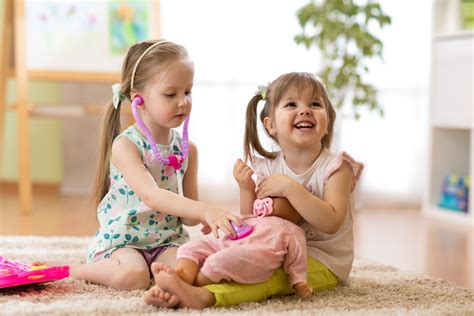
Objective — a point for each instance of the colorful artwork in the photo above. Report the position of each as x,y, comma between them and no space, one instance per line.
128,24
455,193
52,25
86,36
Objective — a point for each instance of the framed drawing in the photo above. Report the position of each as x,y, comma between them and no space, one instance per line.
85,40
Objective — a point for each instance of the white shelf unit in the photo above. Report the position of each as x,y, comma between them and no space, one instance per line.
451,123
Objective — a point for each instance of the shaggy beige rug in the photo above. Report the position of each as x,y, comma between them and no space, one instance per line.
373,289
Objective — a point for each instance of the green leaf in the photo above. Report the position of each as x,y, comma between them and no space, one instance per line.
122,191
106,236
116,236
128,237
340,29
133,219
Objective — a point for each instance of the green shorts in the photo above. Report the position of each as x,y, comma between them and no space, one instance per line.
319,277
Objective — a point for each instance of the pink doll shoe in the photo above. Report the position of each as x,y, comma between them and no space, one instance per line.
242,231
15,273
263,207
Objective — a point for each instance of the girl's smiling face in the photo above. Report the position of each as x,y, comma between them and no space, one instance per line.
299,120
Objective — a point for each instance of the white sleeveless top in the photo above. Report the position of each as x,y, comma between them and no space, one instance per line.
335,251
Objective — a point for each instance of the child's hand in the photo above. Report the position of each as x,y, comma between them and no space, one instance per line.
217,218
243,175
274,185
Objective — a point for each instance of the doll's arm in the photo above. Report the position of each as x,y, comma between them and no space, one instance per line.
295,264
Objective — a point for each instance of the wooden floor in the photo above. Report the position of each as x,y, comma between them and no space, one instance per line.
398,237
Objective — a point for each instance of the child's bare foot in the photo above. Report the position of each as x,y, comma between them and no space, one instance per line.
157,297
189,296
304,290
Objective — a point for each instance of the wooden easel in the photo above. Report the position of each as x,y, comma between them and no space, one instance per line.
14,28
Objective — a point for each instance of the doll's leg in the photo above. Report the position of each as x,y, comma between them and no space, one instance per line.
241,263
295,264
192,255
187,270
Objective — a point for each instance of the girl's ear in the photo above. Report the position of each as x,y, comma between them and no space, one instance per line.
135,94
268,123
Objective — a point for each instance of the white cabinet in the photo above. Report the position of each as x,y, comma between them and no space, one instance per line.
452,80
451,123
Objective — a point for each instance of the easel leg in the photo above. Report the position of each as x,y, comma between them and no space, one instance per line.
5,48
22,107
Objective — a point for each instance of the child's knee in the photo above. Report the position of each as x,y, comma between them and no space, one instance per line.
131,278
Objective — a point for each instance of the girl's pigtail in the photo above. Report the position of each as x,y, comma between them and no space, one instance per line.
110,129
251,141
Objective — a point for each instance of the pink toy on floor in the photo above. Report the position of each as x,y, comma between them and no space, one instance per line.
14,273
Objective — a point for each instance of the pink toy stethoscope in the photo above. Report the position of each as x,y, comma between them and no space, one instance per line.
261,208
174,161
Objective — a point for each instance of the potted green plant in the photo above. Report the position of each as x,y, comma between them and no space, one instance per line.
339,28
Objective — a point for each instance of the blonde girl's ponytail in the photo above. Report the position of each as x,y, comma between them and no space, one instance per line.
251,141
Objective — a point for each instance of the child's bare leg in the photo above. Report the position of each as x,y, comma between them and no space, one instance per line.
187,270
126,269
189,296
303,289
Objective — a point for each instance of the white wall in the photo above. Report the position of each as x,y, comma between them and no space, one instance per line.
238,45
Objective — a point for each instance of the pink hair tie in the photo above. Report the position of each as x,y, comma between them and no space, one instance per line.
263,207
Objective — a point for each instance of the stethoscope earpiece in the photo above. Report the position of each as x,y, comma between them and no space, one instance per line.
138,100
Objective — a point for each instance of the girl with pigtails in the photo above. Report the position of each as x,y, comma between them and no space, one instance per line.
303,181
146,180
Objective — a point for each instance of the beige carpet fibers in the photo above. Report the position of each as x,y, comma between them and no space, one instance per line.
373,289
